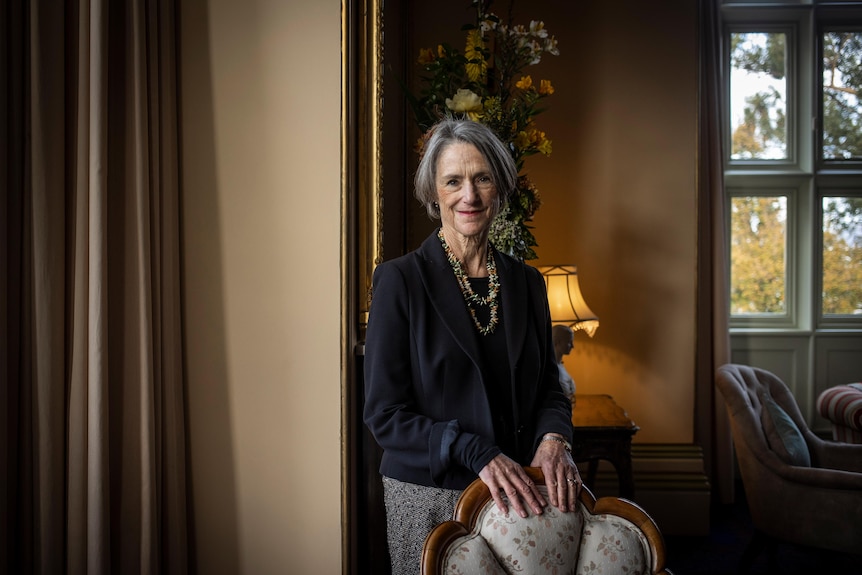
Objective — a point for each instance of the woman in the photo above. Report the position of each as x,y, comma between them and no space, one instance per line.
459,365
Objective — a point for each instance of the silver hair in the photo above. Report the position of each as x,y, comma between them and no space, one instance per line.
446,132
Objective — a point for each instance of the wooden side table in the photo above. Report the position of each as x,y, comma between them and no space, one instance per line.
603,430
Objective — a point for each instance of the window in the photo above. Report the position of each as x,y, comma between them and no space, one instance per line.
759,254
842,255
842,101
793,165
758,95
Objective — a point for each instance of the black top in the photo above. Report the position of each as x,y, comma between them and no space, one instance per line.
496,361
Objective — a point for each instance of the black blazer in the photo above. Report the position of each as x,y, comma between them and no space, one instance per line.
426,400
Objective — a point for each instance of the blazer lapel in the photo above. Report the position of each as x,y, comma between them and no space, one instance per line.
515,304
446,297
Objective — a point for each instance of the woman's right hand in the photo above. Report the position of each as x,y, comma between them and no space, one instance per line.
503,475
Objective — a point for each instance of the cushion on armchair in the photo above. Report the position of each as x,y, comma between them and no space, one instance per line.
611,544
842,405
471,554
783,436
533,544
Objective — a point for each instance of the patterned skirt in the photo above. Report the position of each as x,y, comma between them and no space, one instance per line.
412,511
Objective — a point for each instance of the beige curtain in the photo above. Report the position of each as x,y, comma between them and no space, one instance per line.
711,425
92,432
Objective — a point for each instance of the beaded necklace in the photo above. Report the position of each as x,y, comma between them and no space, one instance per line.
472,298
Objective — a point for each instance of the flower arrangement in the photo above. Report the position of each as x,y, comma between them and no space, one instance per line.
486,83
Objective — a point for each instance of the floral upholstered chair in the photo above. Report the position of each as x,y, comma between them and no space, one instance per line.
609,536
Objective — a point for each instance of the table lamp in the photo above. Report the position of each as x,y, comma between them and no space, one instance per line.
565,300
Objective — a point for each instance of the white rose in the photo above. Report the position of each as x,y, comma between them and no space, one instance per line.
464,101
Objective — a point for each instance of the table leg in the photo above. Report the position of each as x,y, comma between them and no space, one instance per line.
626,477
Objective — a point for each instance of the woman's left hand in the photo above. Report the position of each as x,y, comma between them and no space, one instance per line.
561,474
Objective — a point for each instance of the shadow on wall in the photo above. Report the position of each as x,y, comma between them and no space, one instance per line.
212,510
604,355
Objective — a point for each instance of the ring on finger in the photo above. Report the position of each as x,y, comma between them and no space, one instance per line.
571,480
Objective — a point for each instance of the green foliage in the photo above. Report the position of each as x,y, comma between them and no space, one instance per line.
758,128
758,240
486,83
842,255
769,59
764,121
842,83
758,243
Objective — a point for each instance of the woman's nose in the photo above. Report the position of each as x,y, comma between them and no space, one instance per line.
470,191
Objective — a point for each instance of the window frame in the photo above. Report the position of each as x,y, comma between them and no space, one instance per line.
792,113
831,186
794,190
805,177
833,19
796,24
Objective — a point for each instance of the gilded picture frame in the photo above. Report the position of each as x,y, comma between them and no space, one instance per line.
361,251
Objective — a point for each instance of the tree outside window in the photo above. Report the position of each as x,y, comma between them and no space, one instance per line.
758,96
842,82
842,255
758,255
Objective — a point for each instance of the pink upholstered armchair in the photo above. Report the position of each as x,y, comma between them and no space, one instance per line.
800,489
610,536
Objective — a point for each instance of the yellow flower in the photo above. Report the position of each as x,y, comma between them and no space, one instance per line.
544,146
545,88
476,66
525,83
441,51
522,140
426,56
465,101
536,136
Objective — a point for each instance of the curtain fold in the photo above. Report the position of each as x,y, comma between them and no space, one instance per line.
712,428
92,440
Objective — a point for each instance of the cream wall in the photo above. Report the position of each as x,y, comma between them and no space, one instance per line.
620,200
261,99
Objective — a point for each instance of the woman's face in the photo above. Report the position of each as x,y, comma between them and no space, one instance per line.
465,191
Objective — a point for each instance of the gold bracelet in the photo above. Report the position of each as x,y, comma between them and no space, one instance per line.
565,443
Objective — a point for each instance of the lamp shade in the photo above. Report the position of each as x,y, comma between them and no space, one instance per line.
565,300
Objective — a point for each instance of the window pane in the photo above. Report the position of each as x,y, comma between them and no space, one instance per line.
842,82
842,256
758,96
758,255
